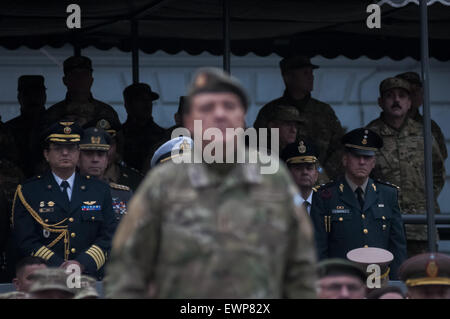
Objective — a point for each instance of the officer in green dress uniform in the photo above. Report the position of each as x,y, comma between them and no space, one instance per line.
356,211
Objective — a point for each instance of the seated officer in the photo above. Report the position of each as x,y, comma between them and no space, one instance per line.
93,161
427,276
301,160
356,211
62,216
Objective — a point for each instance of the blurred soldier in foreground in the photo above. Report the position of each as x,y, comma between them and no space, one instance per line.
87,288
401,159
416,102
140,131
318,118
24,269
117,171
357,211
93,161
301,159
62,216
79,105
340,279
219,230
26,128
51,283
427,276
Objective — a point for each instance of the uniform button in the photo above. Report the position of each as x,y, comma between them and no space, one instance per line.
341,219
46,220
363,216
72,235
366,246
365,231
73,250
383,218
93,218
71,219
384,227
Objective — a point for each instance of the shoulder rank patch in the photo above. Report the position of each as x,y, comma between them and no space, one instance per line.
388,184
118,186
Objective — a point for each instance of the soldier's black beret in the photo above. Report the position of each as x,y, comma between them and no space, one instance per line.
30,81
139,88
362,141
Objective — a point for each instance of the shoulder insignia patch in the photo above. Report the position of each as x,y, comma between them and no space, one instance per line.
118,186
388,184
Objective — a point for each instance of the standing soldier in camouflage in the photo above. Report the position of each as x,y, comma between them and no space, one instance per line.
219,230
26,128
318,118
140,130
93,161
79,105
401,159
416,102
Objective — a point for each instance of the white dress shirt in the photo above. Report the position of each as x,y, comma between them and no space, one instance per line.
70,180
309,200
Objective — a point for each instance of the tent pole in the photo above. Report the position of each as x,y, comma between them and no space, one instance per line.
226,35
135,50
424,59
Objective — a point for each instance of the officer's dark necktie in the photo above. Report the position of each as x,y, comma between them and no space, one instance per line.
359,193
65,186
306,204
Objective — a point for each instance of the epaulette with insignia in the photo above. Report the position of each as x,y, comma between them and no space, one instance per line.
388,184
326,185
118,186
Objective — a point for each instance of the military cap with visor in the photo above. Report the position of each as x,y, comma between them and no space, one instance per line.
172,148
30,82
426,269
296,62
411,77
95,139
77,62
63,132
340,267
392,83
50,279
214,80
365,256
303,151
136,89
111,126
362,141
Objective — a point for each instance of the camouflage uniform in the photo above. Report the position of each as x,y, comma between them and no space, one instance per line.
192,232
436,131
401,162
318,121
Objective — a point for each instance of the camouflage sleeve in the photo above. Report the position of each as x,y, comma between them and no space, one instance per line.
130,269
440,139
300,278
332,162
438,170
